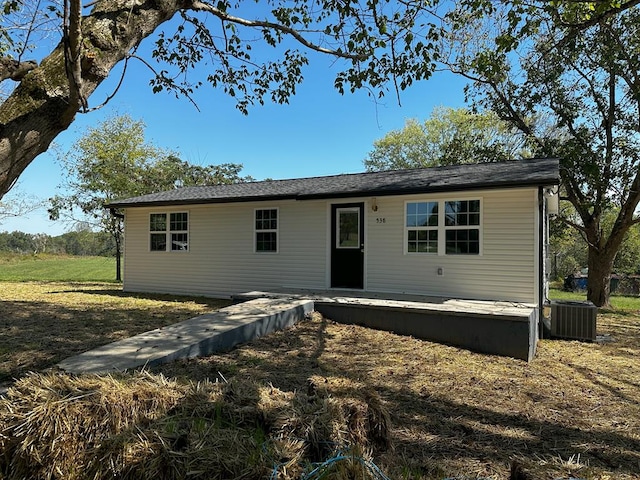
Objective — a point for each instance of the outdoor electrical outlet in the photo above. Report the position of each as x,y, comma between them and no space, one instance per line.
440,271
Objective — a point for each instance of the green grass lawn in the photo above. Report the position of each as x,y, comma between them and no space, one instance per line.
56,268
618,302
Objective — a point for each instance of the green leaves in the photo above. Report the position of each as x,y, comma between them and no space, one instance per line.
450,136
10,6
380,43
113,161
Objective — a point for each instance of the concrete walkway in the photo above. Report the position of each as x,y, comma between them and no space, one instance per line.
199,336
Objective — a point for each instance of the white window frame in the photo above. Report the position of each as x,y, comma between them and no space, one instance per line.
256,230
168,232
417,228
468,227
442,228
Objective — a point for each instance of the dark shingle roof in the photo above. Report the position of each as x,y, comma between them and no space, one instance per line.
530,172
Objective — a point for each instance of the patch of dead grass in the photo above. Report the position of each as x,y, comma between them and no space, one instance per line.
572,412
143,426
44,323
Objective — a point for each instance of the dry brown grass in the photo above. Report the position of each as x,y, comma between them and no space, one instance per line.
572,412
146,427
43,323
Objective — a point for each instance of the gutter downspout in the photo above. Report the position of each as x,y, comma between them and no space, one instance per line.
542,234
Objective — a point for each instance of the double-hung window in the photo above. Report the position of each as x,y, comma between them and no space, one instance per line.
462,227
169,232
266,230
450,227
422,227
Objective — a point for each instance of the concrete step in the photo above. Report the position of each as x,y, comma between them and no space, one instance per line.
199,336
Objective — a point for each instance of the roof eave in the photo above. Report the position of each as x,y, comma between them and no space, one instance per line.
199,201
430,189
347,194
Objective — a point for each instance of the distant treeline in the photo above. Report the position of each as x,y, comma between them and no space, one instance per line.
82,242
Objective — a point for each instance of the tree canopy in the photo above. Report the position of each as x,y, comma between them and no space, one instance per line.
450,136
254,51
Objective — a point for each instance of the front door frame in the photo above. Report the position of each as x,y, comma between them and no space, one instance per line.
347,262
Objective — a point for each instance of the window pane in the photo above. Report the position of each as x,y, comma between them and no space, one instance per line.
433,217
451,213
422,241
422,214
179,241
158,242
463,242
158,222
178,221
349,229
266,242
462,213
267,219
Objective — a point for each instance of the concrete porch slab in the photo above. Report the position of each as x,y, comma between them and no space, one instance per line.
493,327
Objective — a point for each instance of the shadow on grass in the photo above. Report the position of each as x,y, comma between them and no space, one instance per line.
164,297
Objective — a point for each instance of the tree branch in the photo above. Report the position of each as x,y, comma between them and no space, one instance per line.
72,39
15,70
198,5
576,28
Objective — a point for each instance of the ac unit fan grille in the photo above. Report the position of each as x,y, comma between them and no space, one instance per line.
574,320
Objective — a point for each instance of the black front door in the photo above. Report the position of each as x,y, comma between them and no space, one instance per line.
347,245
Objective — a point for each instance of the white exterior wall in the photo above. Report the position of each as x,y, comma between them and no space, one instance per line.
221,260
506,268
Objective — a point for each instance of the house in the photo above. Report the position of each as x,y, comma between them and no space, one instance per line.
474,231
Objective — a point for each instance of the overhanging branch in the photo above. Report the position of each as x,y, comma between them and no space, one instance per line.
15,70
197,5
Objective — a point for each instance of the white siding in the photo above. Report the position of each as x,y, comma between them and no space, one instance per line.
221,258
505,269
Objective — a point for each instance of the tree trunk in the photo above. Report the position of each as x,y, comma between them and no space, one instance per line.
41,106
599,278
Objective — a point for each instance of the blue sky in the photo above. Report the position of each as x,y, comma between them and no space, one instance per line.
319,133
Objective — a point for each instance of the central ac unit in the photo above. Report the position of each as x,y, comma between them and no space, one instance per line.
573,320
